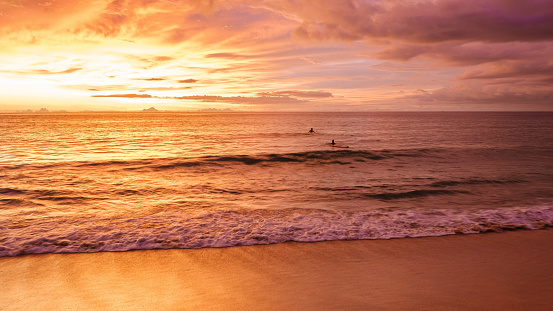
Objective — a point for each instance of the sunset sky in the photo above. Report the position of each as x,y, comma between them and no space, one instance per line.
276,55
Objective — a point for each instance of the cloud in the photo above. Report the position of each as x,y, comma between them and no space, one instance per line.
100,88
484,95
290,49
152,79
94,19
311,60
225,55
165,22
245,100
48,72
246,21
308,94
424,21
152,61
467,54
250,100
453,32
126,95
44,71
258,100
476,95
541,69
164,89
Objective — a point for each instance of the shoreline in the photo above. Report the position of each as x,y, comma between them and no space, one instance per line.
511,270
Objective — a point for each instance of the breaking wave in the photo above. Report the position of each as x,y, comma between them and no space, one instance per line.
250,227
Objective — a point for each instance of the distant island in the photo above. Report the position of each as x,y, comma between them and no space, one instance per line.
151,109
41,110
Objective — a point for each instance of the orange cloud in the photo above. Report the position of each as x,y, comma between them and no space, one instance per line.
312,94
253,100
243,99
284,51
125,95
43,71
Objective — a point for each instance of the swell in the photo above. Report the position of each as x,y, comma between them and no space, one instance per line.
14,197
448,183
413,194
250,227
11,203
427,190
11,191
319,156
268,159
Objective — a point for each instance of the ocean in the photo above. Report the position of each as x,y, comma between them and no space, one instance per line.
93,182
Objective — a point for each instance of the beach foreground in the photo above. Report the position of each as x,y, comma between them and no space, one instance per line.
496,271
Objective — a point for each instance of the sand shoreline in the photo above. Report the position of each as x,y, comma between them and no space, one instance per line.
494,271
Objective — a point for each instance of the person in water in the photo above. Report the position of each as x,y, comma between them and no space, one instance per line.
311,130
333,143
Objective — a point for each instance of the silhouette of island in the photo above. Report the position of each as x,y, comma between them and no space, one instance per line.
151,109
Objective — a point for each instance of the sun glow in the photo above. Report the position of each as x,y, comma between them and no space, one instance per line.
272,55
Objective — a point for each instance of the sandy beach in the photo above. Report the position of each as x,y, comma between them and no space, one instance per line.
495,271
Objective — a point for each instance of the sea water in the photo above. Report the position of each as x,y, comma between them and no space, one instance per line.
90,182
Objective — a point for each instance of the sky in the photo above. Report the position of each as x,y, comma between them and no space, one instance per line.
276,55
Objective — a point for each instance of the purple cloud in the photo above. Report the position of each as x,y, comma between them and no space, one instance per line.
426,21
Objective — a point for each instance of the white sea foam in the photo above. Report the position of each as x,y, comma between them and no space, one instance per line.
231,228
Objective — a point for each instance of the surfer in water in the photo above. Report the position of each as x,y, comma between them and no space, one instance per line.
311,130
333,144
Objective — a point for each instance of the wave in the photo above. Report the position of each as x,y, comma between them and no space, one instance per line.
448,183
413,194
318,156
426,191
10,191
322,157
250,227
13,203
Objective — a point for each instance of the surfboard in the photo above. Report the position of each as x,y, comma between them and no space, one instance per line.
339,146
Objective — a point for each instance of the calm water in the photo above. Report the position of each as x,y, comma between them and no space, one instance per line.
119,181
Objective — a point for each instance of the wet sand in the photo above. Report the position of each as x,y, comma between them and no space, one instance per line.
495,271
